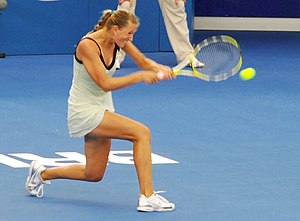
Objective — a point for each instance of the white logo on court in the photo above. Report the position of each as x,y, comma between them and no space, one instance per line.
16,160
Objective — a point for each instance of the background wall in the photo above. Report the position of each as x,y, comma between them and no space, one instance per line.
245,15
246,8
36,27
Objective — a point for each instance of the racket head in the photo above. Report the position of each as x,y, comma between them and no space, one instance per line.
222,58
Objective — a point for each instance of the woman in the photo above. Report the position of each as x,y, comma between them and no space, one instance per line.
91,112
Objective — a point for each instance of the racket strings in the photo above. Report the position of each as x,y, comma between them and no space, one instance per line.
220,59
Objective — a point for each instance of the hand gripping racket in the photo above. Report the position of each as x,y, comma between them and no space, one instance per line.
221,56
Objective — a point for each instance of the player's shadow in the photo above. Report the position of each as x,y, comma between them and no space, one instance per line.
103,204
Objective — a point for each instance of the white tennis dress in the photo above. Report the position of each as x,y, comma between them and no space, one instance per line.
87,102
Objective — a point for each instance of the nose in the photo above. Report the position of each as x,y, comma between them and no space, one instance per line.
131,38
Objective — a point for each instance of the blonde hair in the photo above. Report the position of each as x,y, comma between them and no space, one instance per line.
120,18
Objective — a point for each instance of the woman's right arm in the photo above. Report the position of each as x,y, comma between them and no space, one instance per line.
146,63
88,53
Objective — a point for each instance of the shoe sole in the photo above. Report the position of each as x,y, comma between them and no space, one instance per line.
151,209
29,176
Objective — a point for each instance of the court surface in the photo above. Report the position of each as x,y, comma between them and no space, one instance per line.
226,151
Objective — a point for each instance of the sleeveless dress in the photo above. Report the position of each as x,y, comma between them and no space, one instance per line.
87,102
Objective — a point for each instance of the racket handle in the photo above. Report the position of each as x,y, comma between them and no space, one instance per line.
160,75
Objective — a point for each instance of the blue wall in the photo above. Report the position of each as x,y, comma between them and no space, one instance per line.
34,27
246,8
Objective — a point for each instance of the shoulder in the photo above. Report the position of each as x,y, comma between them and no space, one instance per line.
86,43
87,47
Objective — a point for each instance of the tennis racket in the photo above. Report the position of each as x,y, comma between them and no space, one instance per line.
221,56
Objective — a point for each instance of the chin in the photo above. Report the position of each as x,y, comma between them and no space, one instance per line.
123,44
120,45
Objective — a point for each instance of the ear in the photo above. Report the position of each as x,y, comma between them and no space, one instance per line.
115,29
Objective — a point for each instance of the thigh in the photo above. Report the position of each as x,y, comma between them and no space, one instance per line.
96,152
98,142
115,126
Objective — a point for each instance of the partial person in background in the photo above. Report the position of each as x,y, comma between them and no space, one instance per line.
175,19
3,5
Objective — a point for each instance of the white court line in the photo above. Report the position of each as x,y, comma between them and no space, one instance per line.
247,24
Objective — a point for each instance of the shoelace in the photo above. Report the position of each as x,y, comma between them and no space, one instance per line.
40,190
156,192
39,187
160,197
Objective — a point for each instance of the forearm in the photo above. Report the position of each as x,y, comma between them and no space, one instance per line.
140,59
116,83
149,65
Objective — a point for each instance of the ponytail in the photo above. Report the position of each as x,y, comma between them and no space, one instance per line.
121,18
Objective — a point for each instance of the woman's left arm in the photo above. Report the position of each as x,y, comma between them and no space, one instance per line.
146,63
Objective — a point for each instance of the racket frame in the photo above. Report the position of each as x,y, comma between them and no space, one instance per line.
179,69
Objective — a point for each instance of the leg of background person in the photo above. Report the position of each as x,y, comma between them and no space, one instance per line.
175,19
3,5
125,6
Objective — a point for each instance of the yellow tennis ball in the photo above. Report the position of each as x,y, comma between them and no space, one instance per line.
247,74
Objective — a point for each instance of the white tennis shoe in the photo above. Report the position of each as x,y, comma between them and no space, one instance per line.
34,183
196,63
154,203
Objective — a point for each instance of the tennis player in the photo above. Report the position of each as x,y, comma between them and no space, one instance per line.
91,112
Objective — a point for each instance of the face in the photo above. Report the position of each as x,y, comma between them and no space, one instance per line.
125,34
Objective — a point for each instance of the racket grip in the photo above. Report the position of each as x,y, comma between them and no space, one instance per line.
160,75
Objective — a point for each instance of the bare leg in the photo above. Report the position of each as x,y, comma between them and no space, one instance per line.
96,152
97,147
120,127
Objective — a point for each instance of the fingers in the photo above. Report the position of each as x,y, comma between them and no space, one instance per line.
122,1
166,73
150,77
160,75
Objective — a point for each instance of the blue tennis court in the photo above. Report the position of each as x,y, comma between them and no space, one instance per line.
226,151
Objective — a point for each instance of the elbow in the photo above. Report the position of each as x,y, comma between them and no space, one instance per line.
106,89
107,86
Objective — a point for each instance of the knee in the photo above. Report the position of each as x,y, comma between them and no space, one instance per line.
143,133
93,177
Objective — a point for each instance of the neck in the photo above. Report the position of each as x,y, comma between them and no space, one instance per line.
103,37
